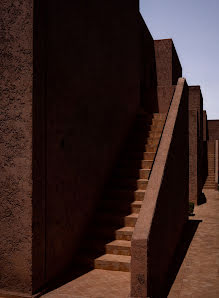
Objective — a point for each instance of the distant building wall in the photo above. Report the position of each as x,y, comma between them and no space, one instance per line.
213,130
205,148
168,69
195,143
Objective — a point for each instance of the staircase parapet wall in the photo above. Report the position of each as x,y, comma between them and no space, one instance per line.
165,207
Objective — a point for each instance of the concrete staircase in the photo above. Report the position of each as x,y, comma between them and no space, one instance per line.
109,241
210,181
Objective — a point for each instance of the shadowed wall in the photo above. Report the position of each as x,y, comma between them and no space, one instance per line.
93,93
75,72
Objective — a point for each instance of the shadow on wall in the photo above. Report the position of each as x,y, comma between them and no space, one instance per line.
181,251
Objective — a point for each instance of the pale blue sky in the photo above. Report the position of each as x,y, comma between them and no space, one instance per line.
194,27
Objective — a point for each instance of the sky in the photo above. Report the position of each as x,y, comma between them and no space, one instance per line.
194,27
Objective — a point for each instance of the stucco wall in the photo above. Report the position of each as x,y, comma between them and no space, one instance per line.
16,145
213,130
196,146
167,62
93,92
168,70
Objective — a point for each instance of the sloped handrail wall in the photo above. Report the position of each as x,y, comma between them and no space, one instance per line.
165,207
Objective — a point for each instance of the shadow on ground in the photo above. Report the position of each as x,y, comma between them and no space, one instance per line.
186,239
202,199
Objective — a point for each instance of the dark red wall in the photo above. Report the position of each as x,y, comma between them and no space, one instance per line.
93,78
168,70
213,130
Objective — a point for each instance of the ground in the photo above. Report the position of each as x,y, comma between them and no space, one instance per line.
198,276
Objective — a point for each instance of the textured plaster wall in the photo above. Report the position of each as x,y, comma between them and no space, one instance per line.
167,62
16,144
193,156
168,69
205,126
196,146
213,130
205,148
93,92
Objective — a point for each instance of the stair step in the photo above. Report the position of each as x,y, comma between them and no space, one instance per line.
153,141
159,116
132,173
130,220
136,206
113,262
142,138
156,127
140,155
119,194
154,134
124,233
119,247
130,183
138,163
159,122
133,146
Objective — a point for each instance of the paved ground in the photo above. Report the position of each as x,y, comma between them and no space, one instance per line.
199,273
198,276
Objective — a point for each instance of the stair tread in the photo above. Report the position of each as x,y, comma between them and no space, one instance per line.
121,243
114,258
126,230
131,179
137,203
132,215
126,159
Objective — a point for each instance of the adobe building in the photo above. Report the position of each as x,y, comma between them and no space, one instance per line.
213,154
94,119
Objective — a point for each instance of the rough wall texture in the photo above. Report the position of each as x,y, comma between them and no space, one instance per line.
205,126
195,143
16,145
164,95
211,147
165,207
168,69
213,130
167,63
205,148
193,156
